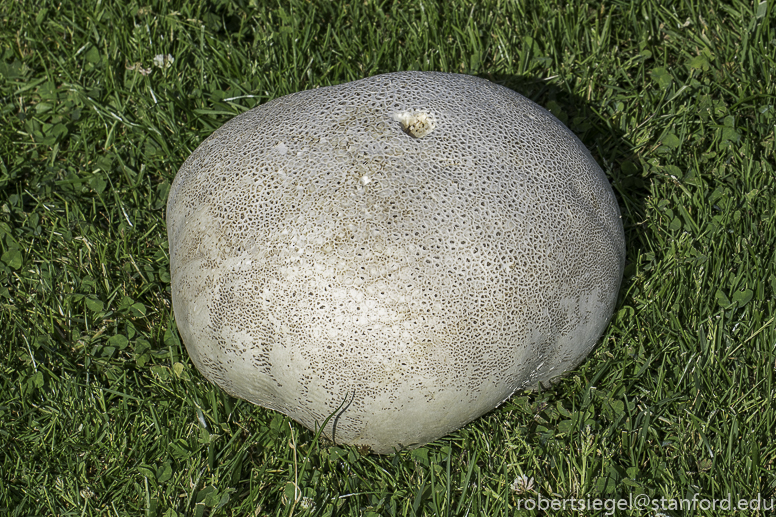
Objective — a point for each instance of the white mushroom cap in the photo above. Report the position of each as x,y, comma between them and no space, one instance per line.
411,248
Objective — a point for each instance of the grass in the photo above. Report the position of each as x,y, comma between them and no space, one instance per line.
101,411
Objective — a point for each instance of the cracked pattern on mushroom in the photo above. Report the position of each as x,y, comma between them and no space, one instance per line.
406,251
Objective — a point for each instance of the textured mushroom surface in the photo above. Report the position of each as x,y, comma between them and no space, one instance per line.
402,252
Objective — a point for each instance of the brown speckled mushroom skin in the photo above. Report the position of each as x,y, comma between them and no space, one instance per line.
411,248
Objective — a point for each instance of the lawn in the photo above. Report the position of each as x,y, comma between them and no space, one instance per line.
103,413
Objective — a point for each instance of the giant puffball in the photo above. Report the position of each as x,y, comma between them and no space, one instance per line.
398,255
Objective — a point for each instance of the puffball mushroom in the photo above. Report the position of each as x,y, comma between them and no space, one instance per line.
398,255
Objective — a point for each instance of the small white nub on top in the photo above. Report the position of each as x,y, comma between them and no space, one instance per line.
417,124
